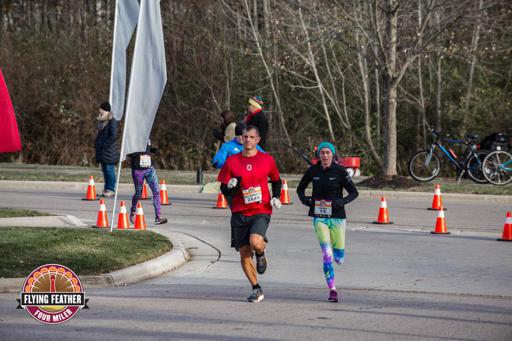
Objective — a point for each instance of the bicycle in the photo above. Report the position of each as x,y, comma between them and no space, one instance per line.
497,168
425,165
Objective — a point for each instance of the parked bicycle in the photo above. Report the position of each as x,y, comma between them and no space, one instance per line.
497,168
425,165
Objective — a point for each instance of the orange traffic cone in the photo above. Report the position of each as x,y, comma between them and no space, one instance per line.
440,223
164,198
285,196
507,229
437,202
122,218
140,221
102,220
383,213
91,190
221,201
144,195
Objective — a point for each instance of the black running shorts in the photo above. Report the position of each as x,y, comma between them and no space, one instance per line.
243,226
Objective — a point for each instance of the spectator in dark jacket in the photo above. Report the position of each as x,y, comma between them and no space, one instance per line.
256,117
107,151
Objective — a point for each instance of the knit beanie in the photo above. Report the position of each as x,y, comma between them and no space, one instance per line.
325,144
105,106
256,101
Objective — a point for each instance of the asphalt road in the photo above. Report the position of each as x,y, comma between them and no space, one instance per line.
399,282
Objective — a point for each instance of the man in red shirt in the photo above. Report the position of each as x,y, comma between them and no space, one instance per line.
244,182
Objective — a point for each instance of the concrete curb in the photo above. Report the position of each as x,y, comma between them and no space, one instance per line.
14,184
502,199
82,186
178,256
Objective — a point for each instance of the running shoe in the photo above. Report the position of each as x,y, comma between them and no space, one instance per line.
261,263
159,221
333,296
132,217
108,193
256,296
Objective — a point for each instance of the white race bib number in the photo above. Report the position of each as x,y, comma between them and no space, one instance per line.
145,161
323,207
252,195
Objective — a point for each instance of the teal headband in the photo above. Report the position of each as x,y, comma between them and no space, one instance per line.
326,144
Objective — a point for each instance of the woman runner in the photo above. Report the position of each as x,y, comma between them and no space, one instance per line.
327,207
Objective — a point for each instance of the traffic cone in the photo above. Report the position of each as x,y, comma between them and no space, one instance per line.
507,229
164,198
221,201
91,190
383,213
144,195
285,196
140,221
437,202
122,218
102,220
440,223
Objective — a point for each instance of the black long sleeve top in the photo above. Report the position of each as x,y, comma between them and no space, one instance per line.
328,185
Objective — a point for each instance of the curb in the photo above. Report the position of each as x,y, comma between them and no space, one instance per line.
131,275
502,199
15,184
82,186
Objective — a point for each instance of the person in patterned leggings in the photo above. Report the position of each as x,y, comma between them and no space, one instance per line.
327,207
142,168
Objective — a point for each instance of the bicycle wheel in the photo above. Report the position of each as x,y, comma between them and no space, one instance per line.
474,167
497,168
424,166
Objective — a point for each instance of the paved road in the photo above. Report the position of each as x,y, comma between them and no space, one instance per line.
399,282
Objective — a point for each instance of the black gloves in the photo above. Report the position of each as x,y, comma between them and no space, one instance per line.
338,203
307,201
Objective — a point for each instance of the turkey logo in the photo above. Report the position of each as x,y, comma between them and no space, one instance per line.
52,294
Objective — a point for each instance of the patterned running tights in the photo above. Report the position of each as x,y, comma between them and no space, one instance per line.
149,174
330,233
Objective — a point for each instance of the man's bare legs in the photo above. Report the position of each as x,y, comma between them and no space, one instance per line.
258,245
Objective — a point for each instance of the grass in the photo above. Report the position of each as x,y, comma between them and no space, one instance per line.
35,172
30,172
85,251
20,212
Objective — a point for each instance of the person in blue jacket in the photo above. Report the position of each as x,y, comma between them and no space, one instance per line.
232,147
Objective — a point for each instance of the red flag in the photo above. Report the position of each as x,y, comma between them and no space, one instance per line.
9,136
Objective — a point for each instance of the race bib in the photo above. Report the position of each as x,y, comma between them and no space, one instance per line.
145,161
252,194
323,207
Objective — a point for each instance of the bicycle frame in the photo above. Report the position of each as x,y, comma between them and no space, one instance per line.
460,165
505,167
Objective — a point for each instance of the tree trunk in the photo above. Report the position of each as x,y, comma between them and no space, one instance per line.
439,87
363,69
390,153
377,94
390,89
420,129
474,47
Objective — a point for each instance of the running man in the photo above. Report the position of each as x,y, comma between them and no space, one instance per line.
244,182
